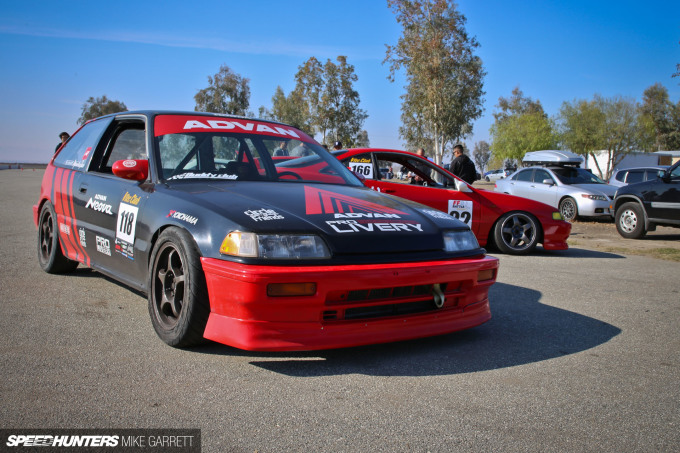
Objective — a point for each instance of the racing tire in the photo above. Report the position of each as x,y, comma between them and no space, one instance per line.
630,221
178,295
50,256
569,209
517,233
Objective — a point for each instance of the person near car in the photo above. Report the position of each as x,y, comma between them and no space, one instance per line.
462,166
64,138
282,149
337,145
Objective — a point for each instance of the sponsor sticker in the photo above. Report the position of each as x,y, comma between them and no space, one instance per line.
125,248
183,217
65,229
103,246
260,215
129,163
81,236
362,166
354,226
461,210
132,199
191,175
437,214
98,203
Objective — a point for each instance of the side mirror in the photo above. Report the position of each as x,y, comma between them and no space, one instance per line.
134,169
549,182
461,186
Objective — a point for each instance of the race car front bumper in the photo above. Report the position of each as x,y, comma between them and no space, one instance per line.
344,306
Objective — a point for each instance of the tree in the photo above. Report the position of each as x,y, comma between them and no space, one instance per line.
519,134
339,115
96,107
516,104
621,131
227,93
444,91
659,119
481,155
582,126
324,101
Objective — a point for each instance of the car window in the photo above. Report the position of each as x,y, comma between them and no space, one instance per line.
406,169
572,175
540,175
675,173
197,147
128,144
77,152
621,176
524,175
635,176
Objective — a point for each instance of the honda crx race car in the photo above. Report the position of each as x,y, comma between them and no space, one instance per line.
235,244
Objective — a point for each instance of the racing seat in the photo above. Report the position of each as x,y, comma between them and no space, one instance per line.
243,170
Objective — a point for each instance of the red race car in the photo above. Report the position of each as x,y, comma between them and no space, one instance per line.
512,224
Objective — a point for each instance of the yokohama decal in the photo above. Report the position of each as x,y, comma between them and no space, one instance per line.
319,201
62,199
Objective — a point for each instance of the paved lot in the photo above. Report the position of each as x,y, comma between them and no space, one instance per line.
583,354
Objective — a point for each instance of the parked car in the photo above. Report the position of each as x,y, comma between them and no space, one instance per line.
513,225
626,176
560,183
493,175
640,207
254,251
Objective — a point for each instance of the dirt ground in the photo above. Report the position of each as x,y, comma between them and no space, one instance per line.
663,243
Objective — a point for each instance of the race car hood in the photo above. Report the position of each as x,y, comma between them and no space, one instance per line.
352,220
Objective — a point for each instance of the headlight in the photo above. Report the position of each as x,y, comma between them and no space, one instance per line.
274,246
457,241
594,197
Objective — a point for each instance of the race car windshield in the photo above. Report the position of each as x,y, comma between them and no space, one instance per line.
569,175
237,156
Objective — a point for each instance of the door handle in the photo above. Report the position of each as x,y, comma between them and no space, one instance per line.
83,188
389,191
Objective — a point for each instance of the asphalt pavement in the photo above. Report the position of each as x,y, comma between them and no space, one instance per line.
582,354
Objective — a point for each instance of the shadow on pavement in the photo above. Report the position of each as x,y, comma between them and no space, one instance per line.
522,331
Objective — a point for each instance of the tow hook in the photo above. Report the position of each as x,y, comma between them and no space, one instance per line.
438,295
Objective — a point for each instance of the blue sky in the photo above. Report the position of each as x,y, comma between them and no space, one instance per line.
157,55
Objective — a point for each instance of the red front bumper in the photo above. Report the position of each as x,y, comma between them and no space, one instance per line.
555,235
353,305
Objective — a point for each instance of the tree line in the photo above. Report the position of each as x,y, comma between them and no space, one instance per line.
443,96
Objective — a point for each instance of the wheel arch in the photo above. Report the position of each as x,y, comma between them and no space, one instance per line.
490,238
630,198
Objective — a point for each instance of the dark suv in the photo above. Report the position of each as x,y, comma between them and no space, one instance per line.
640,207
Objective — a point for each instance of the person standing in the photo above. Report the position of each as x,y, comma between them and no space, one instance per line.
64,138
462,166
337,145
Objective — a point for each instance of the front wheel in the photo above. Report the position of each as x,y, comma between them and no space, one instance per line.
178,296
516,233
569,209
50,256
630,221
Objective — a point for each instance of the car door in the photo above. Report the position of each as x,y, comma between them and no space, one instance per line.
662,197
416,179
108,206
521,183
541,191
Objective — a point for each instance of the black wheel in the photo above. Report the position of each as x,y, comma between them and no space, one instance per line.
569,209
50,256
630,221
178,297
516,233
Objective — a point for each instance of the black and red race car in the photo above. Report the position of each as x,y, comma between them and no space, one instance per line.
514,225
236,243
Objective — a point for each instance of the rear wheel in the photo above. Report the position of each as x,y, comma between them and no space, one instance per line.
516,233
50,256
178,296
569,209
630,221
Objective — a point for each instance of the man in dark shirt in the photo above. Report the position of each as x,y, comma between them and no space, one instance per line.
462,166
64,138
